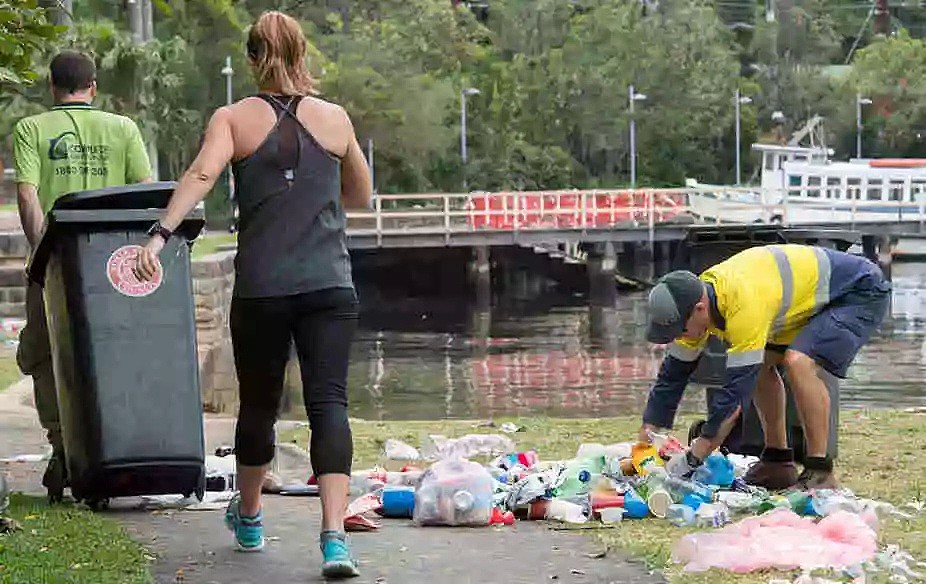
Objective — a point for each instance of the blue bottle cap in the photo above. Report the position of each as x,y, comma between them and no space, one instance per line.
585,476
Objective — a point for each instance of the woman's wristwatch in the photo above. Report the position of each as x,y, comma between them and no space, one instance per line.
158,229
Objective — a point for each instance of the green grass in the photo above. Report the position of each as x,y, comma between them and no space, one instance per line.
68,545
9,370
880,457
10,207
210,244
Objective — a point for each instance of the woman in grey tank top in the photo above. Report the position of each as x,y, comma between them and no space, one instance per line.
297,167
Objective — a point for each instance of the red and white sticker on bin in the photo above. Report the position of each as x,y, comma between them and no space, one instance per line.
120,270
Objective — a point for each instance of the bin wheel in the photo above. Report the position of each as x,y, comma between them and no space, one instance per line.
200,494
97,504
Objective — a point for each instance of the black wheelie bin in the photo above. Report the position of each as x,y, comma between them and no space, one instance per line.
124,351
706,246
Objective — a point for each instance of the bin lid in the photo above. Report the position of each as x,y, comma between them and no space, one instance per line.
152,195
137,204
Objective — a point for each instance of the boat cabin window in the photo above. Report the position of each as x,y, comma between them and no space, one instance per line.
918,189
813,186
794,180
853,188
833,184
772,161
874,189
896,190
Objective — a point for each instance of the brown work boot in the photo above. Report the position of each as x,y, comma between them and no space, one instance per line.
818,474
55,479
775,470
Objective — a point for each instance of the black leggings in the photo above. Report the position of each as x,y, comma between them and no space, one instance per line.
322,324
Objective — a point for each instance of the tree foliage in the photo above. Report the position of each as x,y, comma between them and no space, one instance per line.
552,77
24,30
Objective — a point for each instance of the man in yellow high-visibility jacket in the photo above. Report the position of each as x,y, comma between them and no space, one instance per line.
803,307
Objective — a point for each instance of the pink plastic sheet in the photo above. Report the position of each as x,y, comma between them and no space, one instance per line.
780,539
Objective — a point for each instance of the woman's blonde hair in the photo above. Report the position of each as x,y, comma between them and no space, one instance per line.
277,49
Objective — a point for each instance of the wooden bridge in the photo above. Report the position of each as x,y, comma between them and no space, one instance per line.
535,218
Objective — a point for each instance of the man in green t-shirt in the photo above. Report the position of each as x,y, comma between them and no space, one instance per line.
72,147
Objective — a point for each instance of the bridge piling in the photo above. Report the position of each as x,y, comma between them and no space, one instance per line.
480,277
877,248
603,322
602,266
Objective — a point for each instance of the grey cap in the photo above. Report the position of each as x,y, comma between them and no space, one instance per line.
671,302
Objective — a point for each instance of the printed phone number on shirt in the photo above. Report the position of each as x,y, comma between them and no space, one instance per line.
72,170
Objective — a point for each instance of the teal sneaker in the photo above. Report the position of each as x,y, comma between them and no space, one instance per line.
249,531
337,561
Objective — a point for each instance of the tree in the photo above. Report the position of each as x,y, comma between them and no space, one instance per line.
892,72
24,31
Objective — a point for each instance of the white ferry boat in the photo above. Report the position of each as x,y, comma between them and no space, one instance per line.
802,185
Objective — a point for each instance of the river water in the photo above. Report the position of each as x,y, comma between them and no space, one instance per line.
431,359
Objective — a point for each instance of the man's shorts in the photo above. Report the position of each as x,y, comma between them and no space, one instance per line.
834,336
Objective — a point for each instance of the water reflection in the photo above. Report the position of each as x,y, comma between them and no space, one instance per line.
429,359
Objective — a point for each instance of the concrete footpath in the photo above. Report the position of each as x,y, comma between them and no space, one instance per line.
193,547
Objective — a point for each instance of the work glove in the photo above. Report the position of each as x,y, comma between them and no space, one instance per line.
683,465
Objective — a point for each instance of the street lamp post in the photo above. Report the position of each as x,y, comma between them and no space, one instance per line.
738,101
466,92
227,71
859,102
633,96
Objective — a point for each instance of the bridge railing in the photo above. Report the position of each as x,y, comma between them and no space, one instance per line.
619,208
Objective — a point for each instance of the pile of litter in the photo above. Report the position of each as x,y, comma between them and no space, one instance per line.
440,484
9,331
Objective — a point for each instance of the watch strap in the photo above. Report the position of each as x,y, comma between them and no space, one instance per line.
158,229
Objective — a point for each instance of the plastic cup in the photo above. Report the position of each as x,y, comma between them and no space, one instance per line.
611,514
658,502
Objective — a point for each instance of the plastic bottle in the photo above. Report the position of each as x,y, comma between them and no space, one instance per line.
580,475
740,485
712,515
680,487
826,502
665,444
634,506
680,515
738,502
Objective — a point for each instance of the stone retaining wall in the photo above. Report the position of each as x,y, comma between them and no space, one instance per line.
14,249
213,280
